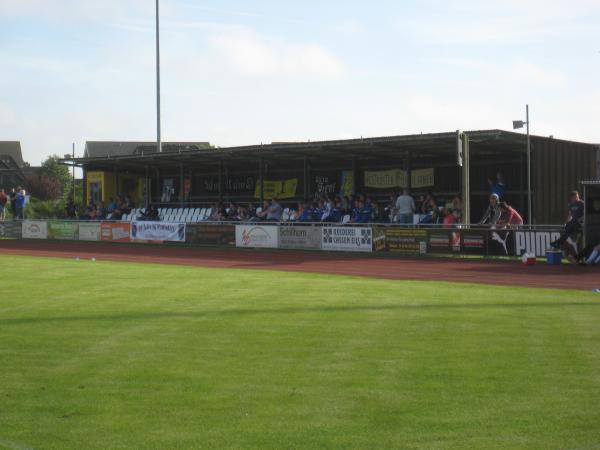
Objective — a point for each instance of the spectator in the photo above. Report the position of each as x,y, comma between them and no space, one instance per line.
3,202
449,219
429,203
431,218
492,213
274,212
509,216
405,205
457,207
112,205
150,213
13,202
70,212
574,219
498,187
365,212
20,203
379,214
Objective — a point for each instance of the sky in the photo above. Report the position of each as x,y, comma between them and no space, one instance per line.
248,72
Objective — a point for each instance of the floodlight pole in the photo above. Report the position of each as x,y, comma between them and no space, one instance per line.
73,188
158,140
529,197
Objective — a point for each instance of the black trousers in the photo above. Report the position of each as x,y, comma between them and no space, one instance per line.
571,228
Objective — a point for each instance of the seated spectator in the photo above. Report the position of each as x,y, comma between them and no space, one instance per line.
508,216
150,213
112,205
355,213
101,211
492,213
457,207
299,211
327,207
379,214
274,212
431,218
262,214
429,203
449,219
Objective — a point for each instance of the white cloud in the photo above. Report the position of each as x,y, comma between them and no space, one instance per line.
249,53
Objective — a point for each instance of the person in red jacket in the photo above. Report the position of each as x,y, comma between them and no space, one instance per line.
509,216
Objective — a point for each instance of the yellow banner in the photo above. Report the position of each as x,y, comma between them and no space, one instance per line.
422,178
397,178
277,189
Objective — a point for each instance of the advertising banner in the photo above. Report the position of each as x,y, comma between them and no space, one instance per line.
158,231
349,239
398,178
347,184
277,189
210,234
409,241
500,242
300,237
324,185
11,229
257,236
35,229
385,179
536,242
63,230
473,242
89,231
115,232
443,241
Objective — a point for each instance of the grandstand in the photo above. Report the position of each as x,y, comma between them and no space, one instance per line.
192,176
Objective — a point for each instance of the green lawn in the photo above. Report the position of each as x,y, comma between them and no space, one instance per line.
115,355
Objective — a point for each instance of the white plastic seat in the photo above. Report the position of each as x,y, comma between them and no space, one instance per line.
346,218
201,213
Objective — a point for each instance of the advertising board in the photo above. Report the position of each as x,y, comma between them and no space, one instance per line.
115,231
347,239
256,236
535,242
210,234
157,231
11,229
409,241
443,241
300,237
62,230
35,229
89,231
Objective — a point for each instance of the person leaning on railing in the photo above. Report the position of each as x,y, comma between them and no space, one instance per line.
509,216
492,213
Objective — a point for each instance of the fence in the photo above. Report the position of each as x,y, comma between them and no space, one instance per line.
372,238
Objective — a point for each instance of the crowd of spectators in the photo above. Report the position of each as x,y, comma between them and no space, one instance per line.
116,208
14,201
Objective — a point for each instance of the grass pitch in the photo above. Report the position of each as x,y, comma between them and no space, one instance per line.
116,355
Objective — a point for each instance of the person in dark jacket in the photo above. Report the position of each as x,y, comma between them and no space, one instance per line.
574,220
492,213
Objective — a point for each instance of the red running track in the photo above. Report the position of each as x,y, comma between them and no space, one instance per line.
442,269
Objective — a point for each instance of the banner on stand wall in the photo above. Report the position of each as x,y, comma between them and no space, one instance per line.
210,234
257,236
11,229
300,237
500,243
473,242
347,239
443,241
158,231
536,242
68,231
35,229
89,231
115,231
403,240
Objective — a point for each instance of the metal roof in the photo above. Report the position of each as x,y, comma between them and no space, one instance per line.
392,148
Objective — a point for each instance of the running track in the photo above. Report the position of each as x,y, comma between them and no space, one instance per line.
463,270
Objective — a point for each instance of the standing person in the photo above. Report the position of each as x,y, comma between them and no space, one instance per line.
574,219
20,203
3,202
498,187
492,213
13,202
405,205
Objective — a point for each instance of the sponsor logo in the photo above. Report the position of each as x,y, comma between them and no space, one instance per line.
501,240
255,236
536,242
118,233
347,237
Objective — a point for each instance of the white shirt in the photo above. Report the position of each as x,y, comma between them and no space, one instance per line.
405,204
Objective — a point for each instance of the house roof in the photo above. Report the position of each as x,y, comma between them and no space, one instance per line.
11,149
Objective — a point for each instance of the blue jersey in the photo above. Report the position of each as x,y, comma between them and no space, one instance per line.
365,215
499,188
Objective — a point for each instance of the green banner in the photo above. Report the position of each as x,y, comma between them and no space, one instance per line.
63,230
277,189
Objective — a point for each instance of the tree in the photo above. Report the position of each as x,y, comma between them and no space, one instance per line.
43,187
52,170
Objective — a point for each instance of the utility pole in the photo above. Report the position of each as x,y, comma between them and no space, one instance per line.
158,139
